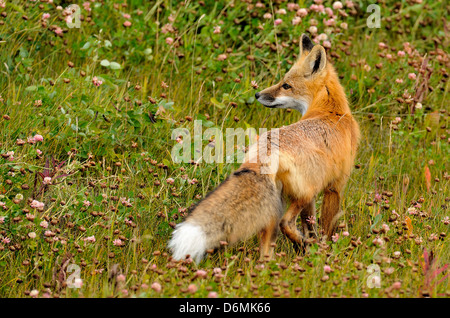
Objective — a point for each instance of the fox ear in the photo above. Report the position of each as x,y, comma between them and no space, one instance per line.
305,44
316,61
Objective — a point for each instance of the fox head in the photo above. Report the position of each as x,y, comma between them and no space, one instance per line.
300,84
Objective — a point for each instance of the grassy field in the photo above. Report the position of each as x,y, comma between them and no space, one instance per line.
89,194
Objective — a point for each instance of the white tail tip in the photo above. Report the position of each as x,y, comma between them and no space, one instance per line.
188,239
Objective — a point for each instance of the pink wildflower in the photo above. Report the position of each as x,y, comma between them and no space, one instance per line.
337,5
335,237
34,293
49,233
329,12
87,6
322,37
156,287
96,81
117,242
292,6
311,220
397,285
330,22
36,204
412,211
200,273
313,29
349,4
192,288
296,20
377,241
446,220
10,155
38,138
31,140
222,57
318,8
167,28
90,239
302,12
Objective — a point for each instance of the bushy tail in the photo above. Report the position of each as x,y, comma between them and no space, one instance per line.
244,204
188,239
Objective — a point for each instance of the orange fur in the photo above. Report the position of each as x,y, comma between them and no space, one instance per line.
316,153
313,155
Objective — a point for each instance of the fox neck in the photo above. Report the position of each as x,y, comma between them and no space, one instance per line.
328,98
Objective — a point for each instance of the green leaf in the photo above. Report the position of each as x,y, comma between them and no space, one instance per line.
250,100
86,46
115,66
31,88
168,105
376,221
207,123
105,63
216,103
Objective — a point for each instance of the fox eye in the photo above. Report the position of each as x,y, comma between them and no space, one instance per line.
286,86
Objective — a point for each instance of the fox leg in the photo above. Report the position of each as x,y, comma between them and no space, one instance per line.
330,209
308,215
268,237
288,225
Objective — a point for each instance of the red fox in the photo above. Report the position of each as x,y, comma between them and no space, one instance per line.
315,154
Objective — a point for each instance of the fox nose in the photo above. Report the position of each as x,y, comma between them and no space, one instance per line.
257,95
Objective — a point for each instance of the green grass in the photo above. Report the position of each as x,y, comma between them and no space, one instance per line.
114,141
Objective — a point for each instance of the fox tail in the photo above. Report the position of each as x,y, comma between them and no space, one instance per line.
243,205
